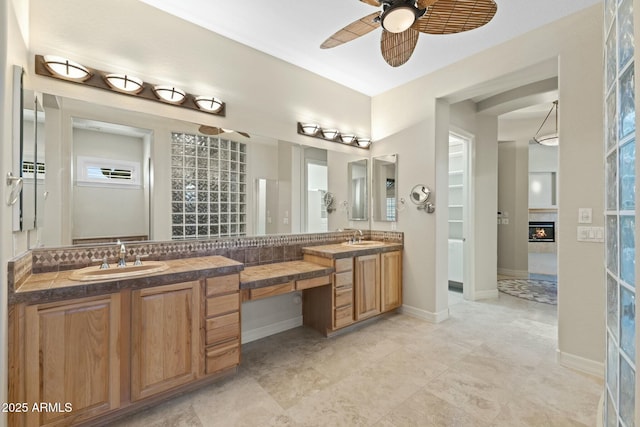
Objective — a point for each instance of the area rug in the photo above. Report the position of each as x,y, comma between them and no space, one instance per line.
544,291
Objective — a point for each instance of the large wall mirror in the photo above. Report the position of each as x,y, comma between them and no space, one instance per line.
358,193
385,187
32,165
134,176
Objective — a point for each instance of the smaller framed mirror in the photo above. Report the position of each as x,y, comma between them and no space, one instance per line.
385,187
358,177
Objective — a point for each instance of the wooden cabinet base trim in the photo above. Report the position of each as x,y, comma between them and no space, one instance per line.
223,357
150,402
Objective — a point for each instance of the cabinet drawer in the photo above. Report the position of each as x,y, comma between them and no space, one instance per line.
343,316
344,264
344,297
223,328
344,279
312,283
269,291
222,357
223,304
223,284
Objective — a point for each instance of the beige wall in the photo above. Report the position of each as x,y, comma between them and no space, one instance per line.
513,198
576,41
13,39
267,97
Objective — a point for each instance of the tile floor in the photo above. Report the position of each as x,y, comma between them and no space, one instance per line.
491,364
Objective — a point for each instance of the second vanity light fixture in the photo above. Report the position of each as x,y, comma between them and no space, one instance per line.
330,134
65,69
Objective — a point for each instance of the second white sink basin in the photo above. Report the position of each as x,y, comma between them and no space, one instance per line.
95,273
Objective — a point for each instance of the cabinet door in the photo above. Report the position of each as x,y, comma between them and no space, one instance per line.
367,286
72,359
391,277
164,338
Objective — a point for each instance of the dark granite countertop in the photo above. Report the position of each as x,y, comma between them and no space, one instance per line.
341,250
260,276
54,286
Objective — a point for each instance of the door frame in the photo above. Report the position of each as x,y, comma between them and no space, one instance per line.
468,219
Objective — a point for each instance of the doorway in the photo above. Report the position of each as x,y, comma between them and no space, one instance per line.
460,260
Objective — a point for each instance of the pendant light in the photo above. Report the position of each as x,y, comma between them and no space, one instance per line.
550,140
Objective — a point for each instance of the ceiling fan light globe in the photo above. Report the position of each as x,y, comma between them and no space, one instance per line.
398,19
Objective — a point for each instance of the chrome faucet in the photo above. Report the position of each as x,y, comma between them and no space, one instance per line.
123,252
357,235
104,264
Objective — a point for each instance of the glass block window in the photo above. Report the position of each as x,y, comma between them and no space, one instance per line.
620,207
208,187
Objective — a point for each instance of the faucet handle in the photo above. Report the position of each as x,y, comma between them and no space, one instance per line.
104,264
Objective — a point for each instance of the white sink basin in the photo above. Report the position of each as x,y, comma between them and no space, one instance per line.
364,244
95,273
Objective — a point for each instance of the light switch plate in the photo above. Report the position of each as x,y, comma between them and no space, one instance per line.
585,215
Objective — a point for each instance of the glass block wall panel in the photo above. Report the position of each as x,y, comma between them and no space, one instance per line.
620,205
208,187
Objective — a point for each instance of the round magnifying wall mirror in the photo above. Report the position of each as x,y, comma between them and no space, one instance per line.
420,194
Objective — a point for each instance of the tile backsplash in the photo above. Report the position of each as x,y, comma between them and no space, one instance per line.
253,250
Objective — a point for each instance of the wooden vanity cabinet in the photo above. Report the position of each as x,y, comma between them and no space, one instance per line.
367,286
90,359
391,280
222,323
328,308
165,324
362,287
342,303
71,357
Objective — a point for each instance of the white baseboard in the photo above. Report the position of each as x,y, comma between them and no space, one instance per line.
520,274
274,328
488,294
580,363
424,314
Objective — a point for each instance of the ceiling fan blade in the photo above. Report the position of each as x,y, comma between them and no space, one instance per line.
352,31
423,4
375,3
397,48
245,134
456,16
210,130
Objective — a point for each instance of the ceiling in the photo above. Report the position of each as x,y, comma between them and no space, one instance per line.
293,30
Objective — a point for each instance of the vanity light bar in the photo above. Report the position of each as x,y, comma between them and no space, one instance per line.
128,85
334,135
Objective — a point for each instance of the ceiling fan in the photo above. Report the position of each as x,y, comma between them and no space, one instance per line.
214,130
402,20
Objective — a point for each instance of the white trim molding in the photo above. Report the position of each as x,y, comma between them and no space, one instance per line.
487,294
424,314
273,328
588,366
